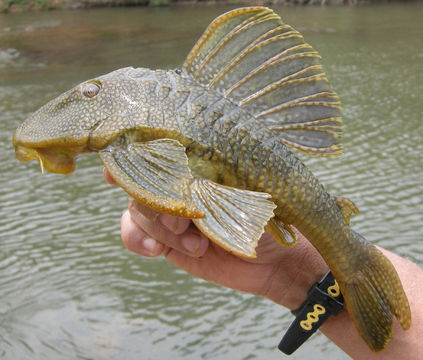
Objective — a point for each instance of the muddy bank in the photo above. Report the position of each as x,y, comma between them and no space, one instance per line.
33,5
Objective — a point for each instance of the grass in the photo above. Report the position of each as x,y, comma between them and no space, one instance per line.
27,5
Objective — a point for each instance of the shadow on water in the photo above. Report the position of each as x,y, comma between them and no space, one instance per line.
68,288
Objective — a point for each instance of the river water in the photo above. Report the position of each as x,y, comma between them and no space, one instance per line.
68,287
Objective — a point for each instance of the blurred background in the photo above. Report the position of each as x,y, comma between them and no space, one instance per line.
68,287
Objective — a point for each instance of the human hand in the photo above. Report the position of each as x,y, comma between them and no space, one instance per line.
279,274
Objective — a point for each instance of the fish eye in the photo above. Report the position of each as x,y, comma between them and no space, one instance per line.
91,89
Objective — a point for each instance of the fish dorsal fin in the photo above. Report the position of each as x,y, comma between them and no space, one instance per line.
347,207
255,60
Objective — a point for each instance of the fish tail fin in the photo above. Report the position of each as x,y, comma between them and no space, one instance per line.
372,296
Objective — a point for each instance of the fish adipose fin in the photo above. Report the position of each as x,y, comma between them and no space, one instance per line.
234,218
347,208
252,58
372,296
282,233
152,173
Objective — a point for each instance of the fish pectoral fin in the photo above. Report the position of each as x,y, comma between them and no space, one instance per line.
347,208
234,218
282,233
153,173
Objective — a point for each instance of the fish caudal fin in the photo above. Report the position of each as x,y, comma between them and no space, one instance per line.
372,296
252,58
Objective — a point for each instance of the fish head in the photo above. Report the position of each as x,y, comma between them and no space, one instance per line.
61,129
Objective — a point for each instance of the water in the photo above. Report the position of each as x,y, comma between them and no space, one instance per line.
69,289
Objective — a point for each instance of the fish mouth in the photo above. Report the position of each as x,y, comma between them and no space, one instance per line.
57,161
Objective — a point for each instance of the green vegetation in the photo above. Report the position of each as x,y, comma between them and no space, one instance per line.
14,5
26,5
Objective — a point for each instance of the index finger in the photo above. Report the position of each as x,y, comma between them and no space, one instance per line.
108,177
175,224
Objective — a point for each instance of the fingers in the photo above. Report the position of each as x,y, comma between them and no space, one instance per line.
174,224
149,233
137,240
108,177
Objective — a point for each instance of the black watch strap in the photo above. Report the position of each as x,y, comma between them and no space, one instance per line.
323,300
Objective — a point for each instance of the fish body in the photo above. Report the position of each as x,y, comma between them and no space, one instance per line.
211,142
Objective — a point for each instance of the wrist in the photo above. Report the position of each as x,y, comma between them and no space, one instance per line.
289,285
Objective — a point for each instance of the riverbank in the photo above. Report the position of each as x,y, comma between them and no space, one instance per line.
34,5
9,6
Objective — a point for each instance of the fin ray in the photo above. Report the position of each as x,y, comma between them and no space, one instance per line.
153,173
255,60
234,218
347,208
372,296
282,233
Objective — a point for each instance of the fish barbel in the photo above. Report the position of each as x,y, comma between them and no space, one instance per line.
211,142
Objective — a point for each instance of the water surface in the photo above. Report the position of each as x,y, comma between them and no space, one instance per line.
69,289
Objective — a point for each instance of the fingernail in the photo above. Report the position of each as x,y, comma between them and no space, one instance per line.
191,243
144,210
169,222
149,244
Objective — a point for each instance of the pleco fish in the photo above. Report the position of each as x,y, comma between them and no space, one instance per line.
211,142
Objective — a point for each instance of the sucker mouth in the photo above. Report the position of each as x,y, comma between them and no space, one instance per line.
54,160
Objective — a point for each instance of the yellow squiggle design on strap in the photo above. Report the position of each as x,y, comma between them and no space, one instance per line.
334,290
312,317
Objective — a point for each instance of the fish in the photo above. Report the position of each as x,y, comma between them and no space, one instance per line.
217,141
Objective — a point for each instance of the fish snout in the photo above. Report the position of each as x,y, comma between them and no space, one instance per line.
53,160
56,155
